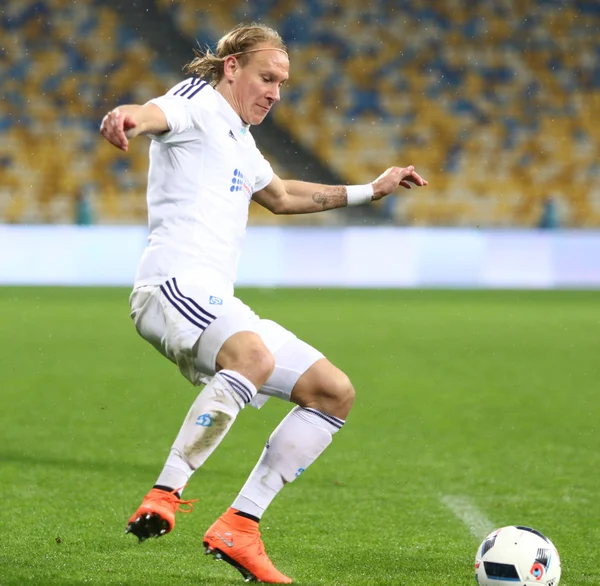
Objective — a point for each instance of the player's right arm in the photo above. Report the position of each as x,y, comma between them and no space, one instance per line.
126,122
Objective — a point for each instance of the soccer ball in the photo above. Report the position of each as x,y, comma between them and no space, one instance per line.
518,556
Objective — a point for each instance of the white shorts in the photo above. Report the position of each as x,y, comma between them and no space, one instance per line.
188,325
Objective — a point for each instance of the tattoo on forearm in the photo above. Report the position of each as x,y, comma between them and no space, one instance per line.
331,197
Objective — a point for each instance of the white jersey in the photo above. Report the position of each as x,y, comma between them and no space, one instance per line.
202,175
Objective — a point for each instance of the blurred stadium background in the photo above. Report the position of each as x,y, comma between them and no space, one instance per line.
496,102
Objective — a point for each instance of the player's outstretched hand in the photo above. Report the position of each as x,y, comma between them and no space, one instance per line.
395,176
114,126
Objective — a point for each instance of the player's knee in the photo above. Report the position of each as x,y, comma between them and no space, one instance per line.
246,353
335,395
260,362
326,388
343,393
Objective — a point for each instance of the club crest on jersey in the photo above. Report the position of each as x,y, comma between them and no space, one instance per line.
215,300
240,183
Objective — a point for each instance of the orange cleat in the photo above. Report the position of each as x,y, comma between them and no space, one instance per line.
156,515
236,540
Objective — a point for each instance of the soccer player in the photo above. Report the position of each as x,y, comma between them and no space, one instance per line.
204,170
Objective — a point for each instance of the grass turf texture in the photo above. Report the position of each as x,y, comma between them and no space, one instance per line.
490,396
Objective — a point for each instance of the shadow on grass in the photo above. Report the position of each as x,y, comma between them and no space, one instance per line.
122,467
18,574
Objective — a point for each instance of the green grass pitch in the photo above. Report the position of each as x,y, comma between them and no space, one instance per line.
490,398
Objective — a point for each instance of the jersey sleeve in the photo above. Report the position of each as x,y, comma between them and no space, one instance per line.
264,172
183,111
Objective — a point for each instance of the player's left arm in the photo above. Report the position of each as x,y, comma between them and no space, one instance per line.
302,197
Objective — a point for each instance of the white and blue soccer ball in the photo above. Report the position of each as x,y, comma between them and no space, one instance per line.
517,556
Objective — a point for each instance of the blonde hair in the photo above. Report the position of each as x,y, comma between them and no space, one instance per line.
239,41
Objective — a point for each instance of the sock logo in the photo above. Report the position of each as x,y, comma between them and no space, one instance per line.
205,420
299,471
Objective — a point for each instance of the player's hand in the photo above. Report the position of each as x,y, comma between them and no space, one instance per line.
390,179
114,128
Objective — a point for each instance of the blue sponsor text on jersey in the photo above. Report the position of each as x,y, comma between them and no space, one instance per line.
239,183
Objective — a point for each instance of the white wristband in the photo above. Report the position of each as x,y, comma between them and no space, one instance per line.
359,194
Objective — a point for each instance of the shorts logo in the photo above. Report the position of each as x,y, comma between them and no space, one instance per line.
215,300
205,420
299,471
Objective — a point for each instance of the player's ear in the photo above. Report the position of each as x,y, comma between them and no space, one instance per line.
230,67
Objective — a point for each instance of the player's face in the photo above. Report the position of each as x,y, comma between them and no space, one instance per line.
256,86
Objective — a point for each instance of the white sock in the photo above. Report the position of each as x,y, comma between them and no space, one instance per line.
296,443
206,424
